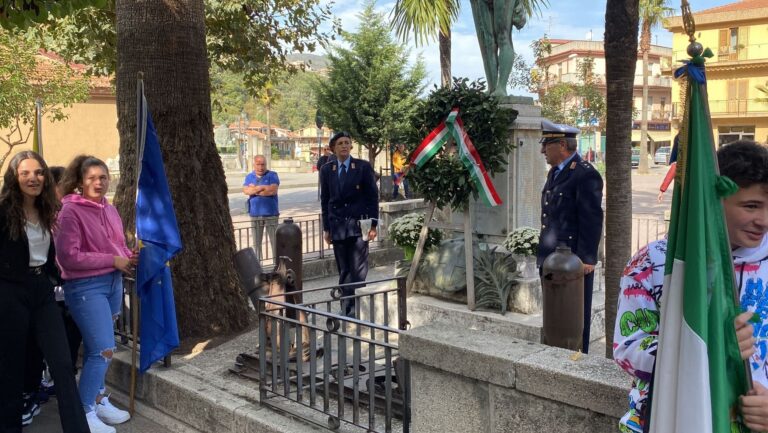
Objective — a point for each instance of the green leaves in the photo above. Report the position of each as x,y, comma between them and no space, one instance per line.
20,14
24,78
493,278
444,180
247,37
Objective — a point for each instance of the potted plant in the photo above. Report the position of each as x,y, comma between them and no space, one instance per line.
523,242
405,231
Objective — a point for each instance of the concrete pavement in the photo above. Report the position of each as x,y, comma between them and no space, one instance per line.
287,180
48,420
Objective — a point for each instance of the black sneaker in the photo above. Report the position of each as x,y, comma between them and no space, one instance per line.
31,410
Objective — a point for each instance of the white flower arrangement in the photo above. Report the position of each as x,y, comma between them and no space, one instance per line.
405,231
523,241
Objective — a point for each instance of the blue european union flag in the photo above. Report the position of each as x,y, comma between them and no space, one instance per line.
159,238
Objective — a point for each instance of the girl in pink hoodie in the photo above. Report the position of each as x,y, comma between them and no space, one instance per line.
93,257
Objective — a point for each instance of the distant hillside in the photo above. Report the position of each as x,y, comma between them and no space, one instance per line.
317,62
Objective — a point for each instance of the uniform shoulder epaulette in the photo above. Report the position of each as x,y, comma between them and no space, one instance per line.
586,164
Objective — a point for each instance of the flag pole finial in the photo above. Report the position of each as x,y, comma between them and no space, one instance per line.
688,23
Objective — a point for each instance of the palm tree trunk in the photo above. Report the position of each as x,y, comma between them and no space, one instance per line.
620,58
166,41
445,58
643,167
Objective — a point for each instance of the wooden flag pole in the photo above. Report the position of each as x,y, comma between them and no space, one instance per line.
419,249
134,346
141,125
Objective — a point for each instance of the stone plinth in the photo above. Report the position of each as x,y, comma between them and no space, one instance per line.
390,211
464,380
520,186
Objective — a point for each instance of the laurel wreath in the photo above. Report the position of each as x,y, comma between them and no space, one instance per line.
444,181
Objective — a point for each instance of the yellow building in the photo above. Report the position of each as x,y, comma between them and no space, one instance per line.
91,127
736,33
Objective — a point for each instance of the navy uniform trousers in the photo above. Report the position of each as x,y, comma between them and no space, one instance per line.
352,263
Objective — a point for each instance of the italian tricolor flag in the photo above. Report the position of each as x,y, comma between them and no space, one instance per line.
454,127
699,373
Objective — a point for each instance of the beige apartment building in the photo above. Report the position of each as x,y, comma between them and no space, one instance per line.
562,65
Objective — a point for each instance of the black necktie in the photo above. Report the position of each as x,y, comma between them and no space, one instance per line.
557,171
343,176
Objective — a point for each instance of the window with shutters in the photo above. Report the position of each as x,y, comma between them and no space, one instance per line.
729,44
737,96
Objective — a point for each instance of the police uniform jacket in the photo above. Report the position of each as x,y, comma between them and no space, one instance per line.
343,207
571,211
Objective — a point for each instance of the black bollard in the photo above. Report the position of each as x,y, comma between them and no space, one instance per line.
562,288
249,273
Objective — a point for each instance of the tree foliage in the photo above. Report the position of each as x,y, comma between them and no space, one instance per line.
24,13
294,109
56,85
577,103
444,180
370,93
248,37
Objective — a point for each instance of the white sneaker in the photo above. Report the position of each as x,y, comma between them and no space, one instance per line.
95,425
110,414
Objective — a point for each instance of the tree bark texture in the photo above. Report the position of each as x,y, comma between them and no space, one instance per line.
621,18
165,39
445,58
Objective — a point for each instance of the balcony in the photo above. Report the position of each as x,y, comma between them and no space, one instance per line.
654,81
743,53
730,108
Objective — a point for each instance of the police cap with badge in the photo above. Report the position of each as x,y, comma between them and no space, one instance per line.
551,131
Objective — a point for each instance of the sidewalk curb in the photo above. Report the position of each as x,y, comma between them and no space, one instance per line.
203,402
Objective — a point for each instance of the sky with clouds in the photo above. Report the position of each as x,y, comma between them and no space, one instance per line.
563,19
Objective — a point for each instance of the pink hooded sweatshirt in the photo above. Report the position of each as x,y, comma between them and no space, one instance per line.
88,237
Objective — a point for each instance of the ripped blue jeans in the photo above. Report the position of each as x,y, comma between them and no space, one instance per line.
94,303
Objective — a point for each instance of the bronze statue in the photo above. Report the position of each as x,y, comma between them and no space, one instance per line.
493,22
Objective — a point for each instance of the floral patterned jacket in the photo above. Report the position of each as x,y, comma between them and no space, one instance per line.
637,319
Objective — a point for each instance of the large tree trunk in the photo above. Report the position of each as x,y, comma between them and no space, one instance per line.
621,18
166,41
445,58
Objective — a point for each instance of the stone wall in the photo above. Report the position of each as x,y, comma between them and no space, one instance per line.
390,211
465,380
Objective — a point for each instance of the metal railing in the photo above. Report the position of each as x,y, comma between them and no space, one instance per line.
647,228
124,323
313,244
346,369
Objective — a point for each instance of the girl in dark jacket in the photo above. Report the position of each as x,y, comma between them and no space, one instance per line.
28,274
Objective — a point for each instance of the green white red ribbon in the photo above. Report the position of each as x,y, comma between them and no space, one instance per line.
453,126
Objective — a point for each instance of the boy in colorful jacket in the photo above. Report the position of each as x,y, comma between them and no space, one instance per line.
637,320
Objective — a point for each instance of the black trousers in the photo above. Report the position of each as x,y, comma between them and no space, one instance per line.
589,280
25,308
352,263
35,365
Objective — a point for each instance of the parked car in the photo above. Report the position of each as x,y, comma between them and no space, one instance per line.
662,155
635,157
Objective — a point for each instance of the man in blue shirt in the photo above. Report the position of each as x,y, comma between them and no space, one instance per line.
260,186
